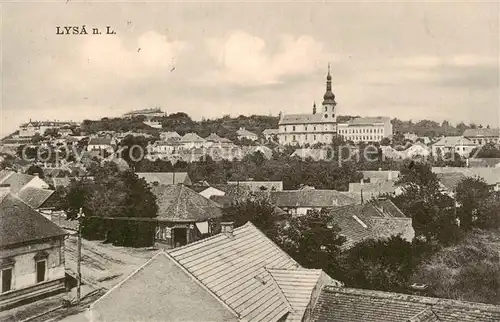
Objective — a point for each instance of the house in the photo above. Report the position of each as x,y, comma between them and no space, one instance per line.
490,175
270,135
237,275
208,192
416,150
18,181
243,133
482,136
448,182
366,129
101,143
300,202
259,185
34,197
183,215
410,136
148,113
314,154
165,178
361,305
192,140
372,220
363,191
453,144
169,135
153,124
380,175
483,162
31,253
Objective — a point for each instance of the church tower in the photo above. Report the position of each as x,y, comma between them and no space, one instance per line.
329,100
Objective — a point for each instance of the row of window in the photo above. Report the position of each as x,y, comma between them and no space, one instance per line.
305,137
365,138
351,131
305,128
7,276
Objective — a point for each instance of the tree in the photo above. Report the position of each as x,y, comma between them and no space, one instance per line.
470,194
259,212
385,264
34,170
313,241
432,212
133,149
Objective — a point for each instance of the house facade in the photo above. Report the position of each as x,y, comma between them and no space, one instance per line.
243,133
31,253
453,144
366,129
483,136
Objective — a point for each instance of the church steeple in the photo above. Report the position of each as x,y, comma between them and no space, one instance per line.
329,97
314,108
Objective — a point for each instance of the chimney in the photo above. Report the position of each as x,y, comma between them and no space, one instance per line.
227,228
5,187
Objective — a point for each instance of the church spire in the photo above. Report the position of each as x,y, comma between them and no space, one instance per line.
329,97
314,107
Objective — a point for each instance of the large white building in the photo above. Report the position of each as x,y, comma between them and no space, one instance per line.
36,127
366,129
318,127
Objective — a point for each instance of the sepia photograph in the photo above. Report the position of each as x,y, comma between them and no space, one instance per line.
252,161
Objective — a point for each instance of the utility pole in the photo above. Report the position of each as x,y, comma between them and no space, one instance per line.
79,256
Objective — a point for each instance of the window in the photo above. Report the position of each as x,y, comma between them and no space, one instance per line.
305,137
6,279
326,116
326,108
293,128
314,128
294,138
314,137
305,127
285,128
40,270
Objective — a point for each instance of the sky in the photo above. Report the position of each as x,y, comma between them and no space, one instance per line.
430,60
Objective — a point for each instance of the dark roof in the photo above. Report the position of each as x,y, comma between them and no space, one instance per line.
484,162
450,180
482,133
373,220
100,141
34,197
177,203
17,181
165,177
21,223
357,305
310,198
259,185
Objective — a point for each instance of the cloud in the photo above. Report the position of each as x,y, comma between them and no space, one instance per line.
246,60
151,53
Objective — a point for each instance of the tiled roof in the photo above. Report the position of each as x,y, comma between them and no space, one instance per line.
310,198
177,203
368,120
245,132
450,180
453,141
192,137
303,119
165,177
17,181
373,188
100,141
34,197
160,290
375,219
481,133
213,137
236,269
380,175
357,305
297,285
259,185
315,154
490,175
484,162
270,131
4,174
21,223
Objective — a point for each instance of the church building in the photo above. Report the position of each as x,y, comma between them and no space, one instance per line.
318,127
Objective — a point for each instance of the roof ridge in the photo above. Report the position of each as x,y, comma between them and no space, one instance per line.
402,297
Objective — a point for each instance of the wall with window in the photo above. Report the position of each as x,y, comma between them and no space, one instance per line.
32,264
